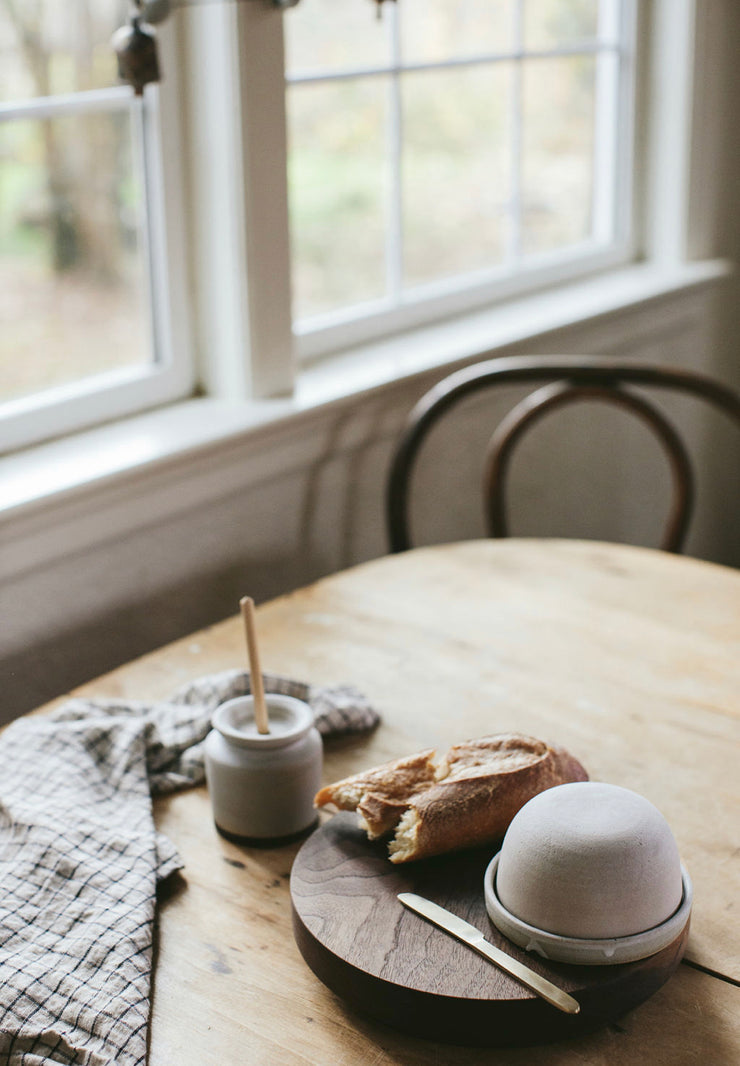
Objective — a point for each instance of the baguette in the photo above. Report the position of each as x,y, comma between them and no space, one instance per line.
466,800
381,795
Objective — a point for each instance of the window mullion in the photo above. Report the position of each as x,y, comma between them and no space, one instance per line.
116,98
606,125
394,237
231,58
450,63
262,107
514,200
669,124
148,166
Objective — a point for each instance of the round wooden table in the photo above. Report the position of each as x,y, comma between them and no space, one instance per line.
628,657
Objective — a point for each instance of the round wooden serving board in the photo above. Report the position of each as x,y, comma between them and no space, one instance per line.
394,966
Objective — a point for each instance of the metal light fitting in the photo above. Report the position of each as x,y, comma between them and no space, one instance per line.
135,44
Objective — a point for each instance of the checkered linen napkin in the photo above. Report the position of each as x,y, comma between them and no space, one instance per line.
80,860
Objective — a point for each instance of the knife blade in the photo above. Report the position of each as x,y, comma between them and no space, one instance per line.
474,939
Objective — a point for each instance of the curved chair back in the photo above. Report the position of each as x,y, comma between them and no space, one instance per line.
561,380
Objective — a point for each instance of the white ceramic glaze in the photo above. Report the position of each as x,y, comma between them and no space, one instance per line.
589,869
262,786
581,951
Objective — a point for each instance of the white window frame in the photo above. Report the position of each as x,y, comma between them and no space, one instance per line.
231,56
407,308
170,376
234,58
221,129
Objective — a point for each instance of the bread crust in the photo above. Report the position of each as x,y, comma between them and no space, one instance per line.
381,794
468,800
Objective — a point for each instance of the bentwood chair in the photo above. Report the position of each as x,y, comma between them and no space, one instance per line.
557,382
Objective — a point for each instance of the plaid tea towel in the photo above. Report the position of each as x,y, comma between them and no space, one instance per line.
80,860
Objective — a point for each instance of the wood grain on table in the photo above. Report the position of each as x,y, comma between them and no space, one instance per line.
628,657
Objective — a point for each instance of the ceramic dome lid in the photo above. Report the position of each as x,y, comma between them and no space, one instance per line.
593,864
590,859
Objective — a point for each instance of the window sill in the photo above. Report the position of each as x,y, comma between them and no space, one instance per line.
66,495
515,323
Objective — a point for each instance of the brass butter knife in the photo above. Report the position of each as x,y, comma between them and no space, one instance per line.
473,937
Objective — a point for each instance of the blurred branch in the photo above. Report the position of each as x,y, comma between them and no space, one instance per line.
24,16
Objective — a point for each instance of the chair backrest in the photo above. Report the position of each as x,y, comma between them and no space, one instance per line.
561,380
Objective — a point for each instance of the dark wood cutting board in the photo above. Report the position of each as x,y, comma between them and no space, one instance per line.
395,967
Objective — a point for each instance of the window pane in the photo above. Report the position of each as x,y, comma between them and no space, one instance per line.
557,152
70,272
455,170
559,22
488,158
338,184
324,35
434,30
49,47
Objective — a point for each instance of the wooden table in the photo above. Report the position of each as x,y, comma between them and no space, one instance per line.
630,658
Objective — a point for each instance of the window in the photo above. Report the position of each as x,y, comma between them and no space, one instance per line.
341,178
378,175
450,152
82,227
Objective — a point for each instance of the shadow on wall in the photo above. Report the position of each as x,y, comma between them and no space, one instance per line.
34,676
168,579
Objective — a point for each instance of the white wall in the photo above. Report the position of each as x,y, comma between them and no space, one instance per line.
302,499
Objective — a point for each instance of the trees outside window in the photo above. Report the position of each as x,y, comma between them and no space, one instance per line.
453,147
77,206
443,157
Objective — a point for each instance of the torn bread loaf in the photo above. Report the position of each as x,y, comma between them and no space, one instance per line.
465,800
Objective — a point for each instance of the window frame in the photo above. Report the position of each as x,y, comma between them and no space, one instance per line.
424,304
233,59
221,126
156,135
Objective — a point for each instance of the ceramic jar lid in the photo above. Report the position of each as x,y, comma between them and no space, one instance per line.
289,718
